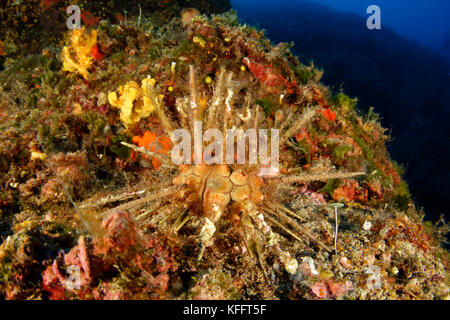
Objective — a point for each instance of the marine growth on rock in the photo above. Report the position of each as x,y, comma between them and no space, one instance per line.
88,168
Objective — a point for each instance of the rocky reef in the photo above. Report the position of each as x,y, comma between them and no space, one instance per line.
90,208
31,26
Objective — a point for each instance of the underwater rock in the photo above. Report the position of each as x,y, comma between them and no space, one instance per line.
203,230
30,26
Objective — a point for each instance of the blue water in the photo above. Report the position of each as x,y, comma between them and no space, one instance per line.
425,21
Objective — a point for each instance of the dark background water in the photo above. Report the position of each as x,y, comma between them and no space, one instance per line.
402,70
425,21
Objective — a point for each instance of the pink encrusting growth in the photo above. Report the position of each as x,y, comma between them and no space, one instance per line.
265,75
74,274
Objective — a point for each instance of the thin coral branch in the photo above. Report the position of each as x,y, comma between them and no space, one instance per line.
140,202
110,199
148,211
246,115
287,220
336,229
185,120
161,112
255,123
305,119
164,159
287,121
216,100
182,223
229,110
228,105
193,99
280,225
158,104
303,178
285,210
252,246
159,218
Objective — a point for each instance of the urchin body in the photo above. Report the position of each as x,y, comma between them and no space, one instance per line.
213,187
